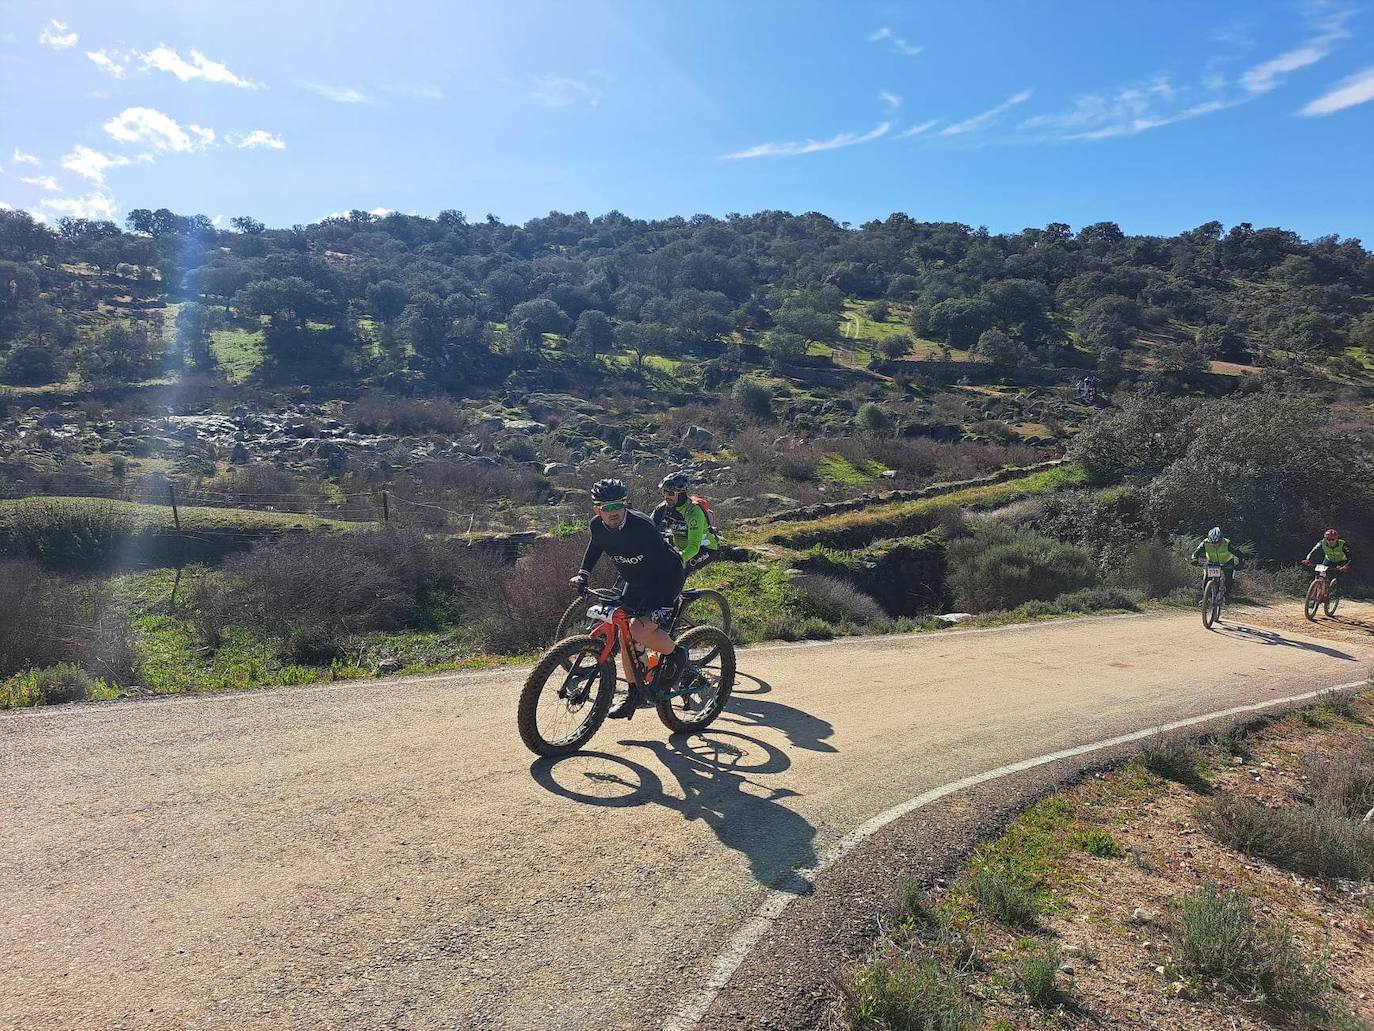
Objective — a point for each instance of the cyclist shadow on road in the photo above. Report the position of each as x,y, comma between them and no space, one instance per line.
747,709
714,774
1258,636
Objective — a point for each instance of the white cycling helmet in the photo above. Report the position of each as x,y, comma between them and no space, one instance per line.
1214,535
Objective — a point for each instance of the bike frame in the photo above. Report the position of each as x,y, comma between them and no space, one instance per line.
614,634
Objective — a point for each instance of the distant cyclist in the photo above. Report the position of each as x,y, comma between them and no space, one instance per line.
653,575
688,520
1334,552
1217,550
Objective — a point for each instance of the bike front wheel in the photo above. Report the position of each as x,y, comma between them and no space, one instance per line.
565,697
1211,604
1314,600
706,682
1333,598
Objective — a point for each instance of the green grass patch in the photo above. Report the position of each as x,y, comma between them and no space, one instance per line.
835,468
159,517
238,352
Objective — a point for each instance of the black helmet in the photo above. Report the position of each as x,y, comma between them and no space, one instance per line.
674,482
608,490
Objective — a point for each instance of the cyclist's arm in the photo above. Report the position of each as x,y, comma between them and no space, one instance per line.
591,556
660,514
696,530
1312,555
1199,550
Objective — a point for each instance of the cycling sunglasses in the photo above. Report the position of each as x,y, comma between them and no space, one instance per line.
610,506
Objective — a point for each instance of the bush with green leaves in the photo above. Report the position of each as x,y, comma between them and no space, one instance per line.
1318,840
909,996
1008,894
1173,758
1216,935
52,685
1038,975
872,420
1001,567
77,535
755,398
834,600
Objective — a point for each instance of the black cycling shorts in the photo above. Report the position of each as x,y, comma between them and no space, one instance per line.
653,600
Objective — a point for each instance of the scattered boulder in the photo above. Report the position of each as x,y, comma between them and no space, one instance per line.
523,425
559,469
699,434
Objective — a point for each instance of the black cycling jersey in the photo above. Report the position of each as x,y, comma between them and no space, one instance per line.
642,557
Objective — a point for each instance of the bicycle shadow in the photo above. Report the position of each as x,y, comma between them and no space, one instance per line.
1270,637
747,709
1351,624
712,772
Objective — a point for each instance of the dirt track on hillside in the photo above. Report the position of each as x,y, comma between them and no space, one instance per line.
387,855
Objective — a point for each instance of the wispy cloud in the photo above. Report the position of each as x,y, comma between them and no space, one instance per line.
164,59
916,130
560,91
339,94
890,99
21,158
43,182
1328,30
255,139
96,204
796,147
418,90
982,121
1358,89
91,164
898,44
55,35
161,132
113,63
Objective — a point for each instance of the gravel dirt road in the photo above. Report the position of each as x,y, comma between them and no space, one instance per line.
386,854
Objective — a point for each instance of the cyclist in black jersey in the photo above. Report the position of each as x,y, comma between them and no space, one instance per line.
652,571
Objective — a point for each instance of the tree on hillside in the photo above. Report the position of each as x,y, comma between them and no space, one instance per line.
532,319
593,334
1000,349
960,321
194,323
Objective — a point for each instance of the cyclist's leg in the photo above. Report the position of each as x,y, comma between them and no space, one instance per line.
1228,572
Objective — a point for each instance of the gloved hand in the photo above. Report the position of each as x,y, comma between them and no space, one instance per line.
580,582
1305,563
1345,568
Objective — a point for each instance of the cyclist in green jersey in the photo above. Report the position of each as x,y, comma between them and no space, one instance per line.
1217,549
1334,552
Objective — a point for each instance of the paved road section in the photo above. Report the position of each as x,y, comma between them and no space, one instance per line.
386,854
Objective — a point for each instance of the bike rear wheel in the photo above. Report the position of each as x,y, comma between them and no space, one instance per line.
1313,602
565,697
1211,604
1333,598
706,682
574,621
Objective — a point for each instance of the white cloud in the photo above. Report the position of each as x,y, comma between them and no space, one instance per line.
57,36
1144,122
339,94
165,59
95,204
20,158
1358,89
896,43
145,125
989,116
916,130
890,99
114,63
559,91
1330,30
796,147
43,182
6,207
256,138
418,90
91,164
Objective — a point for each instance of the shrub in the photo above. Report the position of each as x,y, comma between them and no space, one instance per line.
872,420
1337,703
519,606
313,594
1000,567
46,620
77,535
1217,936
1312,840
407,417
51,685
1008,894
1099,843
909,996
753,397
835,600
1154,569
913,905
1343,783
1038,975
1173,758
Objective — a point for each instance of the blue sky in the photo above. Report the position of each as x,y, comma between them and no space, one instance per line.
1159,116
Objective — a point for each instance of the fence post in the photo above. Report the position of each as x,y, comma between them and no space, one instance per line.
176,516
386,508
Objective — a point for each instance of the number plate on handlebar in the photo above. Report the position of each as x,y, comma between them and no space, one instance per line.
601,612
1320,570
1211,571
